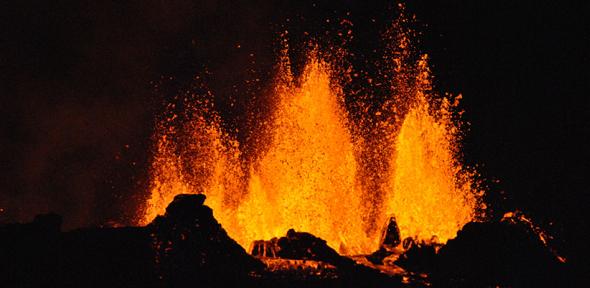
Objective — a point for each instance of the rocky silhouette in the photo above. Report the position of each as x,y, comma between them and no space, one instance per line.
186,247
498,253
192,247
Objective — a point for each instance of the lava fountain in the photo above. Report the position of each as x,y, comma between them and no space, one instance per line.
306,179
194,155
307,174
429,192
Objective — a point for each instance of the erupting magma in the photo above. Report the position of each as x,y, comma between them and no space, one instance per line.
308,177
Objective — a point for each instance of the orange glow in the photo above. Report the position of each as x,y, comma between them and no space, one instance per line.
307,175
196,157
306,179
517,217
429,192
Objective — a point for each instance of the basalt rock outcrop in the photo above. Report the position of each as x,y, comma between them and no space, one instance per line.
192,247
184,248
504,253
38,254
303,245
187,247
306,246
498,254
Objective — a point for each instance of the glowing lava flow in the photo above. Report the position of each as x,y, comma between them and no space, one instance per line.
306,180
308,177
195,156
430,194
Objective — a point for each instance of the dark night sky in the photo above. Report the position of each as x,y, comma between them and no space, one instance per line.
78,106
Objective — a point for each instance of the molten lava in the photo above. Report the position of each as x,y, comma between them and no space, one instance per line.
195,156
306,179
307,175
429,192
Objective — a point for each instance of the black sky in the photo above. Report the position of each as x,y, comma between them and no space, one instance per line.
78,103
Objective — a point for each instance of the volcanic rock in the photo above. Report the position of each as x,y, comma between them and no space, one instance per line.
184,248
305,246
48,223
497,253
302,245
378,256
418,258
391,236
390,239
38,254
192,247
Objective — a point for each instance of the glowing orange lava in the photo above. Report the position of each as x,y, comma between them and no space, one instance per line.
429,192
307,175
306,180
195,157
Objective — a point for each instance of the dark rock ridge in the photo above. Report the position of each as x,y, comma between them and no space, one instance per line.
192,247
418,258
38,254
499,253
390,240
184,248
305,246
187,247
489,254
